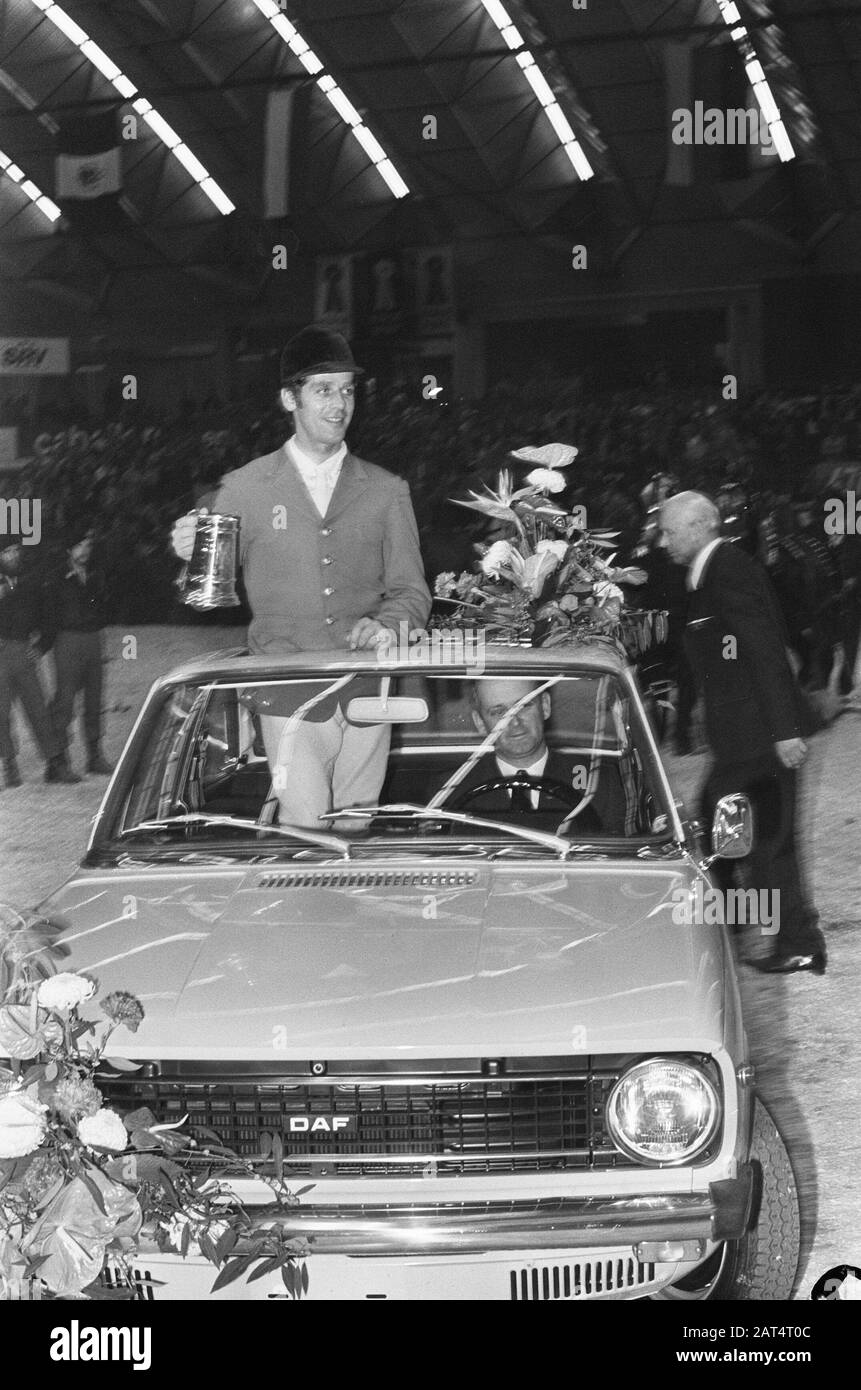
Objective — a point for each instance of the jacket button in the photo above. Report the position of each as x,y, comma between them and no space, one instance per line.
330,621
327,559
326,531
328,592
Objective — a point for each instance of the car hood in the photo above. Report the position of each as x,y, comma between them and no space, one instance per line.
408,961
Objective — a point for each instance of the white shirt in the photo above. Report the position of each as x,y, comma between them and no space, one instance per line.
535,769
319,478
698,564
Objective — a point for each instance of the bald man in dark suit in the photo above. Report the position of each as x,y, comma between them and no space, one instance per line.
755,715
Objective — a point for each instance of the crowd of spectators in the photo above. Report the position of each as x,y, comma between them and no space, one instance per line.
133,477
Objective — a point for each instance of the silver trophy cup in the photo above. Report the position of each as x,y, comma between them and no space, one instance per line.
209,578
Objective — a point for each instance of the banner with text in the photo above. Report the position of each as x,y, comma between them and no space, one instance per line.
34,356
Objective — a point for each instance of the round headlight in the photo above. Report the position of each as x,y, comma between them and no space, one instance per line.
663,1111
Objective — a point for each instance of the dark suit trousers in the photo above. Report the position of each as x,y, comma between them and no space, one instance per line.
78,662
19,679
773,862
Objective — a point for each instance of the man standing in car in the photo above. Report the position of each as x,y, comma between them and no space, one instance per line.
330,553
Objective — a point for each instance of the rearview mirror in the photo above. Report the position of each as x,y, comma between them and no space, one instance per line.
732,827
400,709
387,709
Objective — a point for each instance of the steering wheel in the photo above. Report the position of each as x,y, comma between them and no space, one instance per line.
558,790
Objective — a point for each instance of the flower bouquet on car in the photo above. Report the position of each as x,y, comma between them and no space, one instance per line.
543,577
80,1184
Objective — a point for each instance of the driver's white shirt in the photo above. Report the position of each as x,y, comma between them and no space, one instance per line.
535,769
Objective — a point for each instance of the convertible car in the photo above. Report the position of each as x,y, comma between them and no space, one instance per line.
502,1050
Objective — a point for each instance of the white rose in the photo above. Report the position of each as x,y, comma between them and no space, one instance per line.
547,479
498,556
22,1124
104,1130
65,991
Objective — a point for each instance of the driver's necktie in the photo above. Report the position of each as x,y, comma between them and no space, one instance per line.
521,799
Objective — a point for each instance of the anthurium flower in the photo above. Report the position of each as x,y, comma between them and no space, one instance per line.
24,1033
537,569
22,1123
547,455
557,548
73,1230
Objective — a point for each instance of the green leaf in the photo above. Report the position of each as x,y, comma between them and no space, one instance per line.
304,1278
225,1244
278,1155
206,1133
121,1064
168,1186
185,1240
142,1118
207,1248
266,1140
267,1266
309,1187
94,1191
234,1269
289,1279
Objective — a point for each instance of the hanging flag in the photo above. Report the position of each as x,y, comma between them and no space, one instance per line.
89,169
276,152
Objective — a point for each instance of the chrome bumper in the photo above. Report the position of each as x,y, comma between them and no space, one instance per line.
722,1213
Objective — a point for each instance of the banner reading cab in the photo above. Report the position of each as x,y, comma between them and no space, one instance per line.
34,356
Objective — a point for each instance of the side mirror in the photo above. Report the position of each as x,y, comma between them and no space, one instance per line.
732,827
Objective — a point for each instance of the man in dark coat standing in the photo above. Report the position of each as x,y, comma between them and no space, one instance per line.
76,595
754,713
26,629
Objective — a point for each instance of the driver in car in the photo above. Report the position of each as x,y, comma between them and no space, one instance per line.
522,775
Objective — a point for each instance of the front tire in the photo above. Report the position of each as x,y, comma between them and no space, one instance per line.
761,1266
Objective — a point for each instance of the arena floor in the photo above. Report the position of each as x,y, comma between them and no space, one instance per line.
803,1029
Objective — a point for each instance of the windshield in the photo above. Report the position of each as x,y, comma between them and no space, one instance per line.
298,764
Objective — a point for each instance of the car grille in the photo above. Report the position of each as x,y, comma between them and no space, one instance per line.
367,1127
582,1278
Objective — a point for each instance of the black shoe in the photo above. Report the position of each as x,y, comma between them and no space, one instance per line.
11,774
58,770
814,961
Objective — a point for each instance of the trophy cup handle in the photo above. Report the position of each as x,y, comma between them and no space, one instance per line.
180,581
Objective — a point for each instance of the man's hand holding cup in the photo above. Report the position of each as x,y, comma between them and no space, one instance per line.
182,535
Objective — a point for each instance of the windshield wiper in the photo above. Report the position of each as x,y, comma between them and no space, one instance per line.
298,832
537,837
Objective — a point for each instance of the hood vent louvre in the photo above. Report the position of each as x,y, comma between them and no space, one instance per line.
357,878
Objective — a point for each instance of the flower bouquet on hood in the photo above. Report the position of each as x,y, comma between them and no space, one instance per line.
81,1185
544,578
